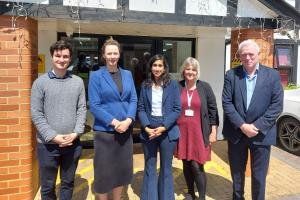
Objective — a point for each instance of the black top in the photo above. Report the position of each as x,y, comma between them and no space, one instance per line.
116,76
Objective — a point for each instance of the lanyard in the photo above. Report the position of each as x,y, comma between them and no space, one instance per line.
189,96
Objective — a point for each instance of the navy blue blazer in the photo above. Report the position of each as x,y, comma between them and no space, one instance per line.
171,108
265,106
105,101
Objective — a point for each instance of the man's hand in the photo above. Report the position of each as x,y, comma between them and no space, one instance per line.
65,140
59,139
69,139
249,129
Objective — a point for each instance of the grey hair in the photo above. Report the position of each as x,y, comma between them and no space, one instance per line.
247,43
194,63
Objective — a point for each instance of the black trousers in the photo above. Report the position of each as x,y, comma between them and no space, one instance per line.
51,157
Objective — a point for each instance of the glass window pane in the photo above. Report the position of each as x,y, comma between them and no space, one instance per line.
135,57
284,56
176,52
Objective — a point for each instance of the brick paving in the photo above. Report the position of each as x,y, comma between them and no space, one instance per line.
283,180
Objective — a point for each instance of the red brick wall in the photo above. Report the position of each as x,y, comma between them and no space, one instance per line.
18,69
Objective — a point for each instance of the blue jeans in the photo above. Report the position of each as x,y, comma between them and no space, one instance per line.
51,157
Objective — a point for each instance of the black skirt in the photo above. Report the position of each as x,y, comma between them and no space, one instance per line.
113,160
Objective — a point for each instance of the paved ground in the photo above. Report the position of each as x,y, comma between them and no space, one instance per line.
283,181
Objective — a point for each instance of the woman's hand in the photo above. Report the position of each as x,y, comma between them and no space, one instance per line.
122,126
159,130
150,132
213,135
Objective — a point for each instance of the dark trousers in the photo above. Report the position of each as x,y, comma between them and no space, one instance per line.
238,156
165,189
51,157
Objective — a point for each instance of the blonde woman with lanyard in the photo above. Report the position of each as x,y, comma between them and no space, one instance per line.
198,127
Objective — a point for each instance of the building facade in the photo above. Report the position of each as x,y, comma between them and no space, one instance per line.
174,28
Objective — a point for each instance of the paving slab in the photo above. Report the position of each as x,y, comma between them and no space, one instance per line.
283,180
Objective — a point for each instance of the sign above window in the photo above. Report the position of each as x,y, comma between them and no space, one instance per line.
164,6
29,1
206,7
108,4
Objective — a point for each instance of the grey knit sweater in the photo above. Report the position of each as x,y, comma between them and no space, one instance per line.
58,106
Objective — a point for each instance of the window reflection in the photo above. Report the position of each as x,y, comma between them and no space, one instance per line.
176,52
284,57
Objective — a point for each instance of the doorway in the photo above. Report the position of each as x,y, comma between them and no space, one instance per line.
135,54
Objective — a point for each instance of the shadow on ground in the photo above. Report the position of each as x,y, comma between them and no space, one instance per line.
220,149
82,188
217,186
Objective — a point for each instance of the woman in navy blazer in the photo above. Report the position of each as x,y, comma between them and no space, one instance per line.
113,103
158,109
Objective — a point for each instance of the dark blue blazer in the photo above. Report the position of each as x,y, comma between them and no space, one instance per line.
265,106
105,101
171,108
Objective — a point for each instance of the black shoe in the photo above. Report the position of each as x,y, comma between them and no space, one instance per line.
189,197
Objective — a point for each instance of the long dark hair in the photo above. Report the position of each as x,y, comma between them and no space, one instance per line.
165,78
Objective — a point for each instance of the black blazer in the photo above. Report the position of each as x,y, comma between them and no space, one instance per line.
209,110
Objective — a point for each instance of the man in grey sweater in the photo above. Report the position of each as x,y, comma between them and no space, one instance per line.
58,110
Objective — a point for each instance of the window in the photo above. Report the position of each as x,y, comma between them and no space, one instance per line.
283,57
176,52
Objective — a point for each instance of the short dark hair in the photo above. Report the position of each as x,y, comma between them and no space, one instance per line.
165,78
61,45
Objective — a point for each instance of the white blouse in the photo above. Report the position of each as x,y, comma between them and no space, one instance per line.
157,93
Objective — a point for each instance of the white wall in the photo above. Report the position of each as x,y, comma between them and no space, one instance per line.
253,8
291,2
210,49
298,68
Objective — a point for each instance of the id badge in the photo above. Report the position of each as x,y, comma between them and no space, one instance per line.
189,113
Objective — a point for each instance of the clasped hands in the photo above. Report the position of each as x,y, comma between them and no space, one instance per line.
121,126
155,132
64,140
249,129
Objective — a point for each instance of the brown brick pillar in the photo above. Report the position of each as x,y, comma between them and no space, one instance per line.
264,39
18,69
